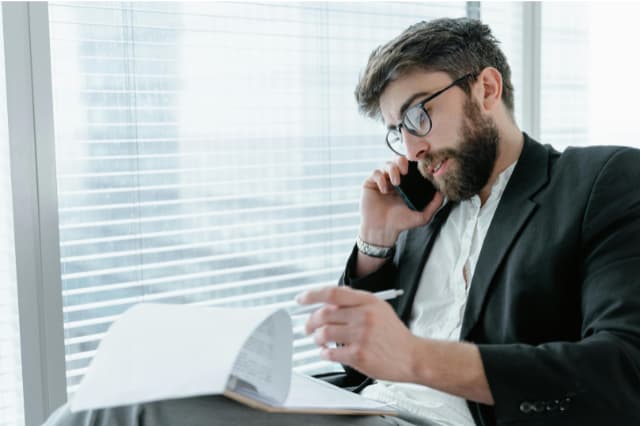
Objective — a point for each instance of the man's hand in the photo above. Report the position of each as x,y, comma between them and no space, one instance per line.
379,345
383,213
375,341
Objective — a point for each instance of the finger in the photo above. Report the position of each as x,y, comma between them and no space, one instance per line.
403,165
394,173
433,206
381,178
329,314
339,296
419,218
351,355
333,333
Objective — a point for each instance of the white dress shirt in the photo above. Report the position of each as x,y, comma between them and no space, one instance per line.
440,303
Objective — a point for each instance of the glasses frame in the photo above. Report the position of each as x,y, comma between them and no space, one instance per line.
420,105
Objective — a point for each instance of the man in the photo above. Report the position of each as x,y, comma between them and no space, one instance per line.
522,296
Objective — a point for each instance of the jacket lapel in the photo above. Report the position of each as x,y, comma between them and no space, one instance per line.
515,207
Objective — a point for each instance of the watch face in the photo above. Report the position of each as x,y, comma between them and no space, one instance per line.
374,251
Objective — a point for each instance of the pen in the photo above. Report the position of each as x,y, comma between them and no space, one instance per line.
384,295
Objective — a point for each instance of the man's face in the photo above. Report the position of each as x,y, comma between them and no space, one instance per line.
459,153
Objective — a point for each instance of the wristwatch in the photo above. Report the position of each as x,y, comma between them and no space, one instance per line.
372,250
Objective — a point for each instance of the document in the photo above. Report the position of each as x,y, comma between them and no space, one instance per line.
155,351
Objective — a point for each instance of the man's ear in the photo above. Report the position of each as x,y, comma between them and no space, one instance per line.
489,88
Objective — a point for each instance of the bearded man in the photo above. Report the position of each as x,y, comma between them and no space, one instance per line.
521,277
522,296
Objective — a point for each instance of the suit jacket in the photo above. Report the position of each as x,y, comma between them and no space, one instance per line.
554,304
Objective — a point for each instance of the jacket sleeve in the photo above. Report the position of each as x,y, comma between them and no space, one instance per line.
379,280
595,380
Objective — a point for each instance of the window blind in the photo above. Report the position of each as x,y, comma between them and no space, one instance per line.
11,400
210,153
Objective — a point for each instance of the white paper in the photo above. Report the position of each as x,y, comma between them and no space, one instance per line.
265,358
158,352
307,393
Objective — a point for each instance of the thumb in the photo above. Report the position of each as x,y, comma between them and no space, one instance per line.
427,214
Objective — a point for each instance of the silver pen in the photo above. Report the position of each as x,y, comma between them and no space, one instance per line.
384,295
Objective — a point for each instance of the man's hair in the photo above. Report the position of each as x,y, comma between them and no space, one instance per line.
454,46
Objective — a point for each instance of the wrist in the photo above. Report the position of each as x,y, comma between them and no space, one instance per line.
420,361
378,237
372,250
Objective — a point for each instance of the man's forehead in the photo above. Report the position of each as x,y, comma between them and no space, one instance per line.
419,83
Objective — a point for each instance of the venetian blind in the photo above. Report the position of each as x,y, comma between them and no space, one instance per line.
210,153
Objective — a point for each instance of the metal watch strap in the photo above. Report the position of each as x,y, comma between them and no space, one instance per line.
373,250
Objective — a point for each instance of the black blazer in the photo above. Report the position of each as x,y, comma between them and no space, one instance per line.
554,304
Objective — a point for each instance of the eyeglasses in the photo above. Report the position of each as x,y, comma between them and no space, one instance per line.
416,120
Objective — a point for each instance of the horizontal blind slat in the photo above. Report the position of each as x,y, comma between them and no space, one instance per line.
195,200
345,230
204,259
232,212
217,286
234,270
209,184
183,231
168,294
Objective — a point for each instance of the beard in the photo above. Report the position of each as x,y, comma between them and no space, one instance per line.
473,160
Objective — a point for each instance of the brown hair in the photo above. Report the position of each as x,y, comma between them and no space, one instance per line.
454,46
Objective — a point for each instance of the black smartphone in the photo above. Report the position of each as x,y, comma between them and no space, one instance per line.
415,189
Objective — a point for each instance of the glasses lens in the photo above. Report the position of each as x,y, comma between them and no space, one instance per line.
417,120
395,142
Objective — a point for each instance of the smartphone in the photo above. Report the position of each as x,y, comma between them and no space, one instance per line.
415,189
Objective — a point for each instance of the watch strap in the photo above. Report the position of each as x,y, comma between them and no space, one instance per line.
373,250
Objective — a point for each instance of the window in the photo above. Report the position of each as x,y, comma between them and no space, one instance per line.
210,153
564,80
588,89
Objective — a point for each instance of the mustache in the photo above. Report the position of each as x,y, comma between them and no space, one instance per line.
426,162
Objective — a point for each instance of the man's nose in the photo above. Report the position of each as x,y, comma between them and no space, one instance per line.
417,146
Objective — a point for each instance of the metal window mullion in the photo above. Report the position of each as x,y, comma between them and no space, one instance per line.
473,9
33,175
532,63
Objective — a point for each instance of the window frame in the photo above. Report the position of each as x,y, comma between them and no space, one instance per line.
35,209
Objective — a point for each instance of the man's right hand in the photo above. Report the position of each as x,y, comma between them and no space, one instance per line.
383,214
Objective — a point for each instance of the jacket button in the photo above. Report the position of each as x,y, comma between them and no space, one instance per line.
552,405
526,407
564,404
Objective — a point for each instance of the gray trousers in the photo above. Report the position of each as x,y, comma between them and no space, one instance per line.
213,411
